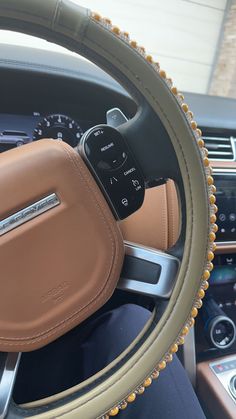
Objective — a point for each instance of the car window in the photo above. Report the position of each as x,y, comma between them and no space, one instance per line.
190,39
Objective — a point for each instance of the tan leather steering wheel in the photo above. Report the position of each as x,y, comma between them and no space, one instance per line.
166,142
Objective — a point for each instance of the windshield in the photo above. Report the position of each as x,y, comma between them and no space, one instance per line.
194,41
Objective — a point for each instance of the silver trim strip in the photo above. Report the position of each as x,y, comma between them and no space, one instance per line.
7,381
189,356
224,171
208,137
232,386
225,243
231,140
28,213
169,269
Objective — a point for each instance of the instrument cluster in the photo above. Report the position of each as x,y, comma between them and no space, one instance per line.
18,130
60,127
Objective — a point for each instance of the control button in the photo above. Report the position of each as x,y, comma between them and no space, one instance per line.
229,259
222,332
219,334
136,184
110,160
129,171
219,368
103,147
113,180
224,366
218,327
102,165
125,202
232,216
222,217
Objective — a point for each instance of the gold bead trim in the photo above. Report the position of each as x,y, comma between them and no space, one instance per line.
212,217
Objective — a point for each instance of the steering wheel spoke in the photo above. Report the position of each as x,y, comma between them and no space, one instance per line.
148,271
151,145
9,364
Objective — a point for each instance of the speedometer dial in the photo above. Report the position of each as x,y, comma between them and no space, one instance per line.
59,127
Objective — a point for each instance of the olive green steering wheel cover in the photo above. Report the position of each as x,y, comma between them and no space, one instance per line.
76,28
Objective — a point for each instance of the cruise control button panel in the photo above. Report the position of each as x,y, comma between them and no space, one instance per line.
107,155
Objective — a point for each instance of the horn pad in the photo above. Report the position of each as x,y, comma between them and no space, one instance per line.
60,258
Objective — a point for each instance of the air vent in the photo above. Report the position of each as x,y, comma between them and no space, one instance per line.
219,147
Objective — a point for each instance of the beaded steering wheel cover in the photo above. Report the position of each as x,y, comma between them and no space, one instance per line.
65,23
106,23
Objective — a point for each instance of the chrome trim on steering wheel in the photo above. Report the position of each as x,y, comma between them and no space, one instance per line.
7,381
169,268
28,213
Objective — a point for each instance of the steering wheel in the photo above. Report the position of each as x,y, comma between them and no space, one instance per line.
54,197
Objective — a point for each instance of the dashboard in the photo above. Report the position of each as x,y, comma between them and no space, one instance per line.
51,95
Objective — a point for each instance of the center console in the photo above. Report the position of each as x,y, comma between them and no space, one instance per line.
225,371
216,387
215,331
